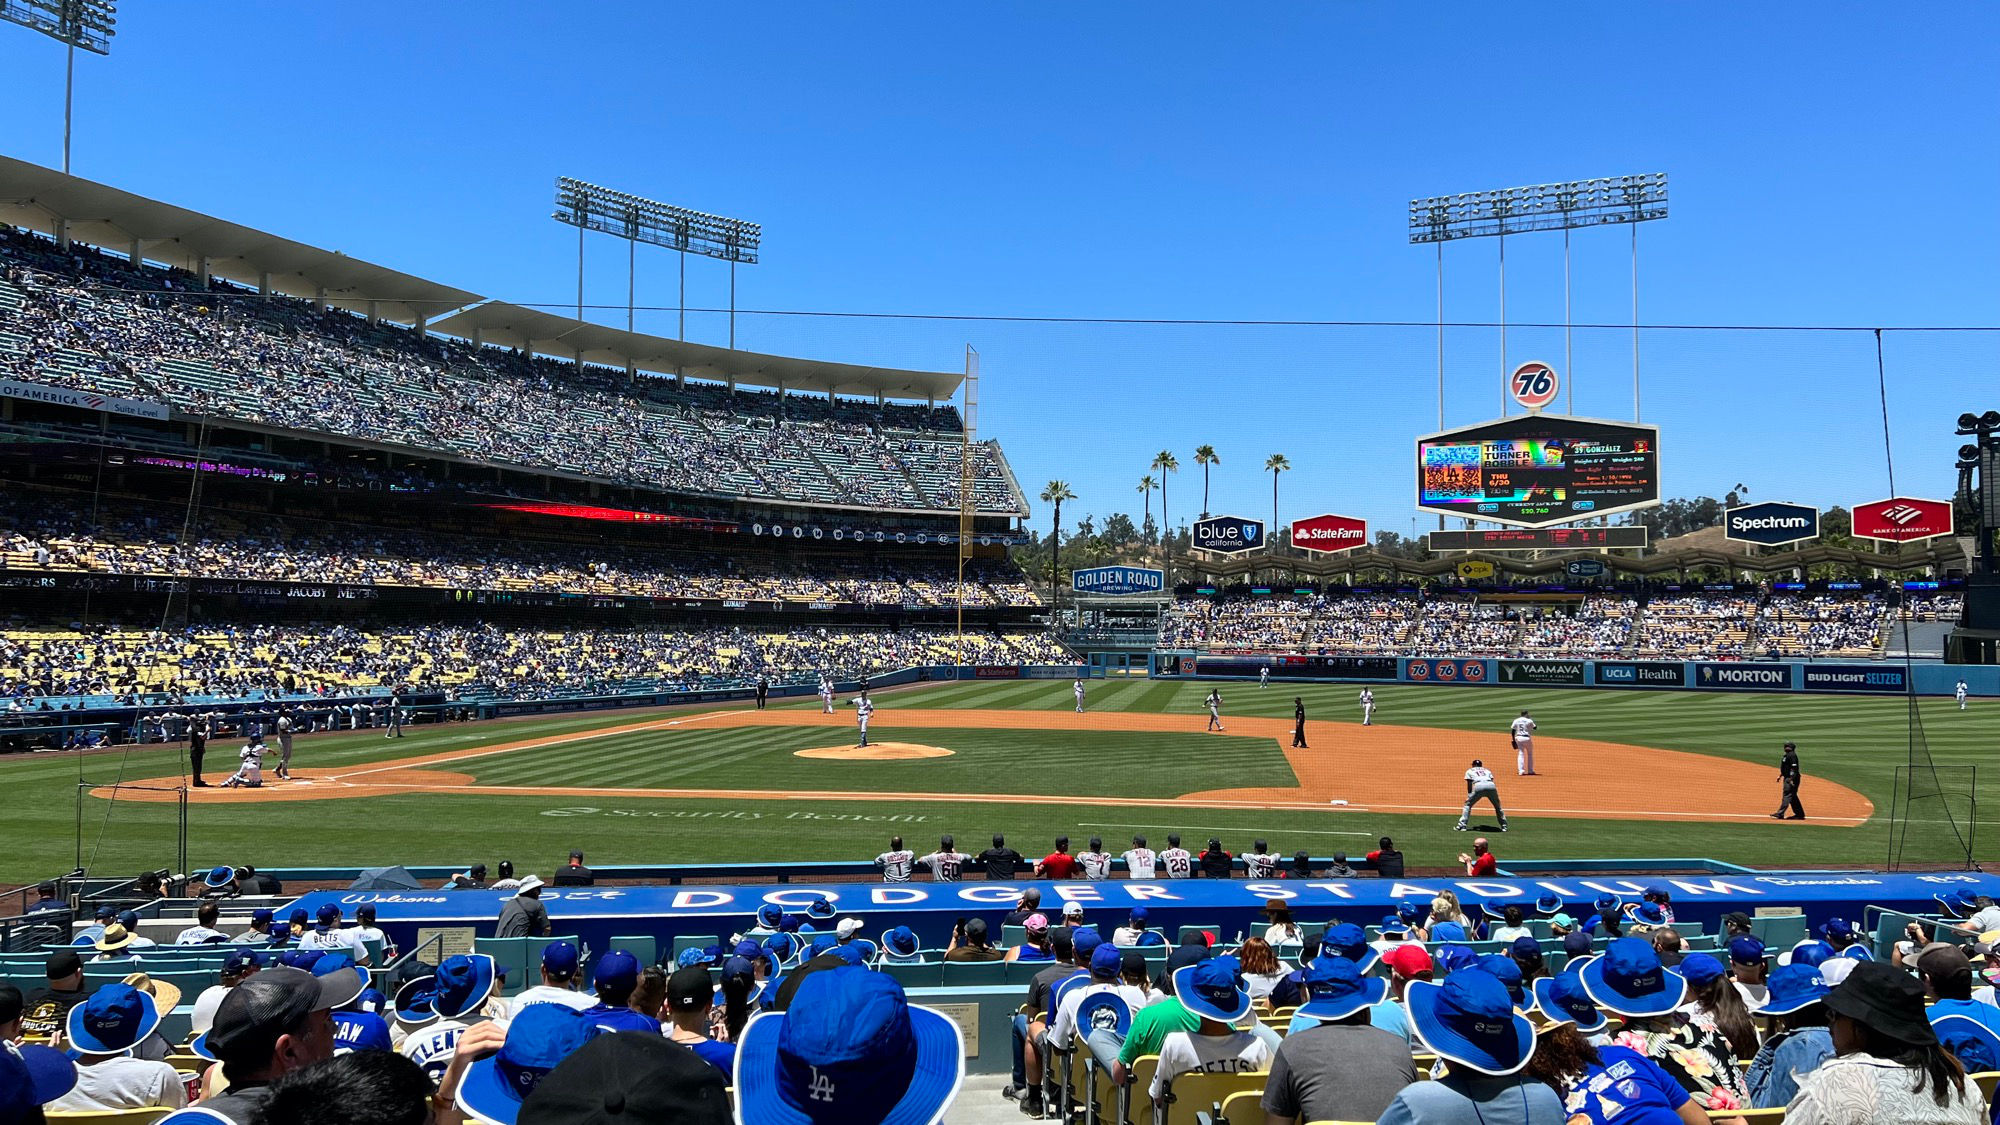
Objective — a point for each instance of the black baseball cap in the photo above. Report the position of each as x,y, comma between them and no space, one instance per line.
271,1003
64,964
630,1078
690,989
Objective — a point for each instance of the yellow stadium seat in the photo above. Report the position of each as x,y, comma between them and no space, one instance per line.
1189,1094
1752,1116
109,1116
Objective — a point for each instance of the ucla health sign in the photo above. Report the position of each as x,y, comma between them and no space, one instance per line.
1118,580
1228,534
1770,524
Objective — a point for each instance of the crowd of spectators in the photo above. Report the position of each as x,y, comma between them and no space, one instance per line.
47,533
82,319
1320,623
1600,626
262,661
1465,627
1697,626
1820,625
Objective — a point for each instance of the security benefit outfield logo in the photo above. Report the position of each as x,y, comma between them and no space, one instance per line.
1118,580
1770,524
1228,534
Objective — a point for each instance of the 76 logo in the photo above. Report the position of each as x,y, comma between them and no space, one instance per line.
1534,384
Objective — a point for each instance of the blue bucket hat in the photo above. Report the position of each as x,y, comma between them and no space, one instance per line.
32,1078
1746,950
1508,972
1548,904
307,959
850,1047
820,909
1973,1042
1607,904
770,915
1103,1011
784,949
1807,952
1391,924
1659,889
821,943
1209,989
114,1020
1856,952
218,876
1336,989
745,948
1957,902
901,942
1563,998
1349,941
1469,1021
1447,931
540,1037
1452,958
415,1002
1792,987
463,983
351,985
1700,969
1648,914
1628,980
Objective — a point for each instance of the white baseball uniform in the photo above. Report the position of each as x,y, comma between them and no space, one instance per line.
1096,865
1264,676
1482,788
1140,863
1959,694
284,746
1079,696
863,708
251,772
1214,702
1367,708
825,696
1524,744
896,865
1178,862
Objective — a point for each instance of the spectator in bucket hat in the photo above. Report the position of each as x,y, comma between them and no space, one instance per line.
1212,991
1629,981
850,1050
30,1078
1470,1023
1798,1041
103,1033
493,1087
1888,1064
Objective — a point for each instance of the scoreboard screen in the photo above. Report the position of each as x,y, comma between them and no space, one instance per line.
1545,539
1538,470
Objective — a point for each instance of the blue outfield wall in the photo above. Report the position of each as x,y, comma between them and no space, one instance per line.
1881,677
600,914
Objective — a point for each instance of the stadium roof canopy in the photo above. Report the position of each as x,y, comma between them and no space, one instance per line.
42,199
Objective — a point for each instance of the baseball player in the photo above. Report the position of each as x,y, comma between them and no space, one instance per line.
1095,861
285,745
1177,860
1260,862
1078,689
251,772
395,715
1367,707
896,862
946,862
863,708
1958,693
825,694
1214,705
1264,676
1140,862
1480,786
1522,733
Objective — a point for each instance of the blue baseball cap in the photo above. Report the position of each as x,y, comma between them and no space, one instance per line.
1336,989
1701,969
1839,928
850,1047
1393,925
560,959
1412,914
689,958
1659,889
770,915
790,923
114,1020
1106,960
1856,952
463,982
261,915
1139,913
1084,941
745,948
34,1077
1746,950
1347,940
1791,988
1469,1020
1452,958
1973,1042
1563,999
305,959
128,919
371,1000
1629,980
900,942
820,944
106,913
1508,973
242,960
219,876
854,953
1807,952
616,970
1524,947
1447,931
328,917
538,1038
820,909
1548,903
1209,989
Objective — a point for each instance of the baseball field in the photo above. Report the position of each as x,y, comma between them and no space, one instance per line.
1621,774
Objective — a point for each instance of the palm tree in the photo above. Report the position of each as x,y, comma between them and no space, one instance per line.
1146,486
1166,462
1204,455
1275,464
1055,493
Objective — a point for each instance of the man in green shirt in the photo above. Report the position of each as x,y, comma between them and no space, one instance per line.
1150,1027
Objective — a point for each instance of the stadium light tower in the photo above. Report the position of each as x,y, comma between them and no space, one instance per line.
588,207
1568,206
74,23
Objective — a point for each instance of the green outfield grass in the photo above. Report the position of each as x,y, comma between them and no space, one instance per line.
1855,741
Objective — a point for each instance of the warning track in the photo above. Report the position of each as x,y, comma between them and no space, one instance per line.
1350,768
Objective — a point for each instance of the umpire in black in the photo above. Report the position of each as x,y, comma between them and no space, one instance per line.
1788,776
1299,723
197,745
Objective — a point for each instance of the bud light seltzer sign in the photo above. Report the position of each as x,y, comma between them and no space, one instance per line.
1228,534
1118,580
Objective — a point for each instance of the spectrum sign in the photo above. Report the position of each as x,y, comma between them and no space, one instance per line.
1770,524
1902,519
1329,533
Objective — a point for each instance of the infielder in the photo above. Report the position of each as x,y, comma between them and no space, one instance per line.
285,745
825,694
1958,693
1522,733
863,708
1367,708
251,772
1480,786
395,716
1214,704
1078,688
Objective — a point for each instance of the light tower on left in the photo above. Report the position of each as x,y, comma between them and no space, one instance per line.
74,23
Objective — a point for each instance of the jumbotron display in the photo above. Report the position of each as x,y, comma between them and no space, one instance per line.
1538,470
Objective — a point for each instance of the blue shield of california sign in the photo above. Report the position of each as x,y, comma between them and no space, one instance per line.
1228,534
1118,580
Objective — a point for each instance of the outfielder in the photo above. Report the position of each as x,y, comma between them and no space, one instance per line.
395,715
1958,693
1214,704
1480,786
825,694
1367,708
285,745
1264,676
251,772
1522,732
1078,687
863,708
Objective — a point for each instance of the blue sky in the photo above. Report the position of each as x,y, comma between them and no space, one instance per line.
1831,165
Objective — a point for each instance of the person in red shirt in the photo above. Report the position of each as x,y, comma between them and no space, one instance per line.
1060,865
1480,862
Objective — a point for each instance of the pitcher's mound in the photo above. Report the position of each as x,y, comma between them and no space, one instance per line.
876,752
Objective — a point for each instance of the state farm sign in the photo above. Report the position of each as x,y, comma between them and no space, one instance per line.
1902,519
1329,533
